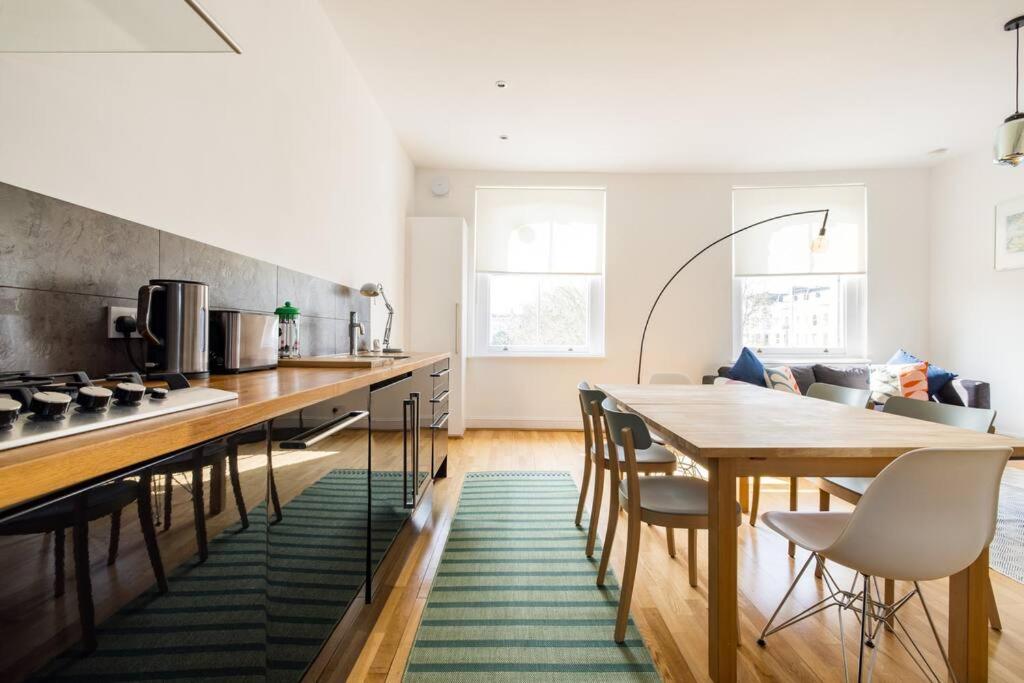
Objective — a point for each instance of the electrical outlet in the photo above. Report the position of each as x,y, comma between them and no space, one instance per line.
115,312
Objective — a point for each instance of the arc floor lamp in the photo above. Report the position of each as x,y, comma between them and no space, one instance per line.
819,244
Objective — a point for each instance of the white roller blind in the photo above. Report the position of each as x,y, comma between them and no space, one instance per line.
530,230
782,247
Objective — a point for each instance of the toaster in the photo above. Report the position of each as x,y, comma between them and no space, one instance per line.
241,341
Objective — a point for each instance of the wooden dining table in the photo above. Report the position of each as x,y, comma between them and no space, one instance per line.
737,431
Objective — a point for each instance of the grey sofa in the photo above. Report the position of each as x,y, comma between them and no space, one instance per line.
958,391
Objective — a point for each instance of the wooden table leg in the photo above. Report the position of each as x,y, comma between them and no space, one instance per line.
723,635
745,494
968,621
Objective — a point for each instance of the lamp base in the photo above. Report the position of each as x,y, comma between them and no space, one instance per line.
391,349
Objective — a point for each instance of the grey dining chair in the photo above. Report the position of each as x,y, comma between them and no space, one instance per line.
651,459
670,502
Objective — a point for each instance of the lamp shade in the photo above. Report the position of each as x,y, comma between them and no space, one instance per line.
370,289
1010,141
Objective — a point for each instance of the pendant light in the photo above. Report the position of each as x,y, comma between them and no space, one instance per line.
1010,136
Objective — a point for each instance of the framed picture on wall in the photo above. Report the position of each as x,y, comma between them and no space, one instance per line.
1010,234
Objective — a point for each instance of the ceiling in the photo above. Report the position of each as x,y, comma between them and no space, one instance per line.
684,85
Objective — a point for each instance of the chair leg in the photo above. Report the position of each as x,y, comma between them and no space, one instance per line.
755,500
889,597
236,485
83,582
993,609
670,538
58,563
628,576
792,506
595,506
145,507
115,537
863,626
744,494
197,505
584,485
274,500
168,495
691,555
614,503
824,503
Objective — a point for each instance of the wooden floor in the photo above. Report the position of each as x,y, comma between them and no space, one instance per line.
671,615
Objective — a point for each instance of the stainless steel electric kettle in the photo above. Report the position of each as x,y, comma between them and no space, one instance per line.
173,318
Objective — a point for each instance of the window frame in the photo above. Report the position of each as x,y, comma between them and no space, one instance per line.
481,333
852,322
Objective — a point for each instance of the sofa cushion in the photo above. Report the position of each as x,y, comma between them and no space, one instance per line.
781,378
855,377
804,375
937,377
748,368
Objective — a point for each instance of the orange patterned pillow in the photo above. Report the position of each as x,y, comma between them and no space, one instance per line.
914,381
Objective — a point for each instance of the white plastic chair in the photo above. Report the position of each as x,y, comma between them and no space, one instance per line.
904,528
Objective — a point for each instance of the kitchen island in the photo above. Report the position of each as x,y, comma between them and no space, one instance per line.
241,538
32,471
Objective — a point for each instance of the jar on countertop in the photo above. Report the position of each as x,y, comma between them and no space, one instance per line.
288,345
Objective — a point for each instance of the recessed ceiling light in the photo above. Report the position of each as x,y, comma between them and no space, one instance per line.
503,137
501,84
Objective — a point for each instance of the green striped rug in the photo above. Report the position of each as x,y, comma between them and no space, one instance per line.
515,598
240,617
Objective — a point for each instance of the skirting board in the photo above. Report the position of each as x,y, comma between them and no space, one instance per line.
523,423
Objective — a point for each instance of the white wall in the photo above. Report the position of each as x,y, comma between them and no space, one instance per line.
280,153
977,313
655,222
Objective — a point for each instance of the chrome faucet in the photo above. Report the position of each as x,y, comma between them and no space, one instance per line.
353,326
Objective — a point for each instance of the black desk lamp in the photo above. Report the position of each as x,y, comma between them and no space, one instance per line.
819,244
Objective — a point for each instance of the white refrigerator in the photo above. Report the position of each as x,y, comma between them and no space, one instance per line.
437,286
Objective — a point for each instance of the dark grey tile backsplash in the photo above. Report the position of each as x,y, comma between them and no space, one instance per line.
61,265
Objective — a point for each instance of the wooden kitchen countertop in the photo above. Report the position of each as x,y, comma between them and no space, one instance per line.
38,469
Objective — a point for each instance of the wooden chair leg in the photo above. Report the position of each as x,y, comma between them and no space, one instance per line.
145,507
198,510
236,486
274,500
168,495
824,503
584,486
993,609
83,582
744,494
115,537
628,576
889,596
595,506
755,501
58,563
670,538
792,506
691,555
609,536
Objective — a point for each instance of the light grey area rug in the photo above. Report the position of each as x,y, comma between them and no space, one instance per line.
1006,554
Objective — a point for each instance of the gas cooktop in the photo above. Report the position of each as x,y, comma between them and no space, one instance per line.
40,407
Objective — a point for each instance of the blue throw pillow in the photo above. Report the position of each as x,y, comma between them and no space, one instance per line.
748,368
937,377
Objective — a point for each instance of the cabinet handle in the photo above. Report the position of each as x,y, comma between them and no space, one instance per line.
440,422
440,397
441,373
316,434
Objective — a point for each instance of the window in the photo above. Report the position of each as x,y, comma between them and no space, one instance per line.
539,259
789,301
